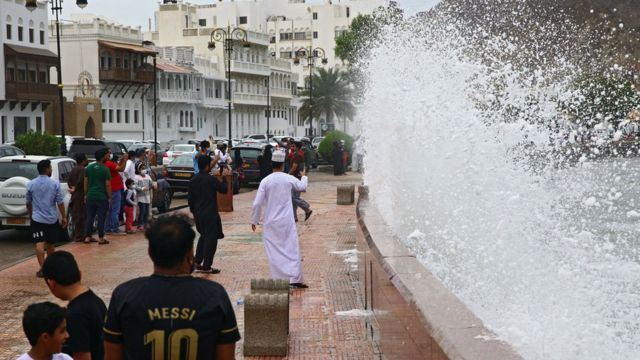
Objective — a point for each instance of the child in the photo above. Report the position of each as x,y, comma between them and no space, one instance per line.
130,205
45,326
144,184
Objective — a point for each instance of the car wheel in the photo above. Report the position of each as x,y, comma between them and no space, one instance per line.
70,226
166,202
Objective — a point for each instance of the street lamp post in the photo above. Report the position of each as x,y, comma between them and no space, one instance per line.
227,37
310,54
268,82
155,101
56,9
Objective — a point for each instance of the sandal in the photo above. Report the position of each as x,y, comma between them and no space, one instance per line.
103,242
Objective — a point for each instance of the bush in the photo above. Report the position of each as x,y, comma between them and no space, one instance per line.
326,146
33,143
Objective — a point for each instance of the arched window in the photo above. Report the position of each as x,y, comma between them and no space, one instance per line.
191,119
181,118
20,30
9,29
32,32
42,33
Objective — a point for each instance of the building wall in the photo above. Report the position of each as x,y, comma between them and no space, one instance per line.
15,13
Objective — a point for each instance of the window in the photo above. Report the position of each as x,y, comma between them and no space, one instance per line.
272,40
286,54
104,116
20,34
118,118
38,124
202,22
41,37
315,34
181,119
168,121
135,116
110,115
43,77
315,16
348,12
8,31
286,36
32,36
186,21
126,116
243,20
191,119
300,36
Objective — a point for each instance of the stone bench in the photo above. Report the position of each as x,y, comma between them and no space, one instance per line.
346,194
266,325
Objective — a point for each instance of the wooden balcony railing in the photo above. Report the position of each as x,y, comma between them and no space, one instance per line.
126,75
22,91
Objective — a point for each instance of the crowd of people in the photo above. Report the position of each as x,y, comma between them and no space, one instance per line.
193,315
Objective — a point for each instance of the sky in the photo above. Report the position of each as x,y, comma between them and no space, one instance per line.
138,12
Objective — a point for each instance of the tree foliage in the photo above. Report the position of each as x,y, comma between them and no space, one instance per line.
354,46
35,143
331,98
326,146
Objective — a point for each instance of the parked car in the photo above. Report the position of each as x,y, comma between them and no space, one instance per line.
177,150
15,174
163,194
9,150
90,146
179,172
137,146
250,167
316,141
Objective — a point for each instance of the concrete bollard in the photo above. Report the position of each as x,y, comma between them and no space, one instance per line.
346,194
266,325
269,286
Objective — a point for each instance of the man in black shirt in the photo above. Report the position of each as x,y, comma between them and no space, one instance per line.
170,314
85,311
203,203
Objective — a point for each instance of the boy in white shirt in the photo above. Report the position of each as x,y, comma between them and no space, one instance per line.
45,326
144,185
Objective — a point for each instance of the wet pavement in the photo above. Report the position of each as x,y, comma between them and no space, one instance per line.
316,331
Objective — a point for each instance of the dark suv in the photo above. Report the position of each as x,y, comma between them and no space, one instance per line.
90,146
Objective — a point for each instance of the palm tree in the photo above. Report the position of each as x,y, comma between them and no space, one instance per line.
332,95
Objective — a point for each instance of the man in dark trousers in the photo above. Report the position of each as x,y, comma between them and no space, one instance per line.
203,203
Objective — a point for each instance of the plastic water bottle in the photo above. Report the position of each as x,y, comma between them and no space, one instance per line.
240,301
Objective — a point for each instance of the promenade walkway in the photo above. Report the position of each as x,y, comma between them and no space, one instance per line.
317,332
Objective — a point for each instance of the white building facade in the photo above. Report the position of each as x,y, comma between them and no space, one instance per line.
277,30
25,62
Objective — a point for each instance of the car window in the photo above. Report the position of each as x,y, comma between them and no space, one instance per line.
22,168
182,161
63,171
19,151
250,153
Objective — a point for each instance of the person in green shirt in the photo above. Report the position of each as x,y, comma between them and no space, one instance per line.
97,184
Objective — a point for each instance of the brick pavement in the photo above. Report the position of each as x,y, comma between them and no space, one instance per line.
316,331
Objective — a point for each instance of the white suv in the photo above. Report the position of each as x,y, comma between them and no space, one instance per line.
15,174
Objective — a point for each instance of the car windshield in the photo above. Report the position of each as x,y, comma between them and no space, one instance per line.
249,153
182,161
140,146
12,169
183,148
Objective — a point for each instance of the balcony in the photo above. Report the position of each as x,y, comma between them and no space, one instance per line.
22,91
250,99
281,93
280,64
126,75
250,68
214,103
179,96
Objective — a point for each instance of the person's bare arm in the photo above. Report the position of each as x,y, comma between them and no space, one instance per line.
123,163
81,355
63,222
86,187
108,186
226,351
30,209
112,351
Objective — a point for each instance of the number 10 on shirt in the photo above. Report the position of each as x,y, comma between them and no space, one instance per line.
158,350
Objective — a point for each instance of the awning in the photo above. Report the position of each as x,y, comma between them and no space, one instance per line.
174,69
127,47
37,54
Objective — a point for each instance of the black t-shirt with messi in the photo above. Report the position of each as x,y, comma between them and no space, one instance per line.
160,317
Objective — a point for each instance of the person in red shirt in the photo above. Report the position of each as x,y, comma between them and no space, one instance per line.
117,186
296,159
